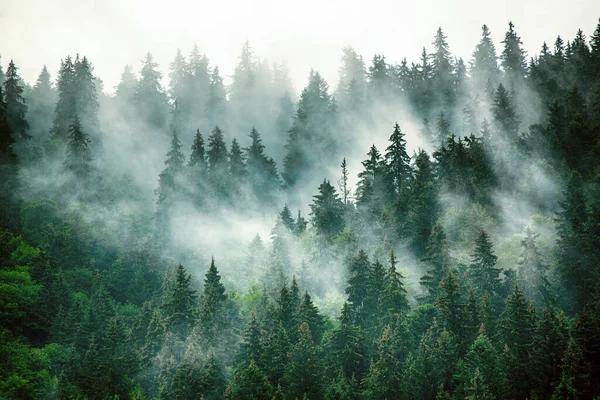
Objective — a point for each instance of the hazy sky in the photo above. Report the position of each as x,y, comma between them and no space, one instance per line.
304,34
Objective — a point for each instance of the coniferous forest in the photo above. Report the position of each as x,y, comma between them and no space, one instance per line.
422,230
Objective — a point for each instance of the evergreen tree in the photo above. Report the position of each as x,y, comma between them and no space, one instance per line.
304,374
532,270
345,347
9,170
198,156
212,303
436,262
262,171
394,297
237,167
250,383
41,107
484,65
513,56
442,128
79,155
484,275
150,98
216,102
169,180
327,211
66,103
504,114
517,333
14,103
308,313
398,162
180,305
359,270
86,99
385,380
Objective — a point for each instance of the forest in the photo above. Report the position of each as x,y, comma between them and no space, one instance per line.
419,230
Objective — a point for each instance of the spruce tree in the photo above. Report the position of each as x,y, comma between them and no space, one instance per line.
484,65
398,162
180,306
14,103
150,98
212,303
9,170
504,114
435,261
79,155
327,212
304,376
483,273
394,296
513,56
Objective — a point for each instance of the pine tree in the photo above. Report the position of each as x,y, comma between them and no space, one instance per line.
41,107
343,183
14,103
9,170
304,374
180,305
359,270
150,97
345,347
212,303
483,273
262,171
310,140
169,180
385,380
398,162
179,91
480,374
373,191
436,262
394,296
198,156
79,155
505,117
451,305
66,103
484,65
513,56
237,167
217,156
442,128
86,99
549,344
251,345
125,90
309,313
327,211
532,270
286,218
424,206
216,102
516,329
250,383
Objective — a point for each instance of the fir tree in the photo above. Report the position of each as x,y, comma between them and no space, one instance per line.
212,303
398,162
327,211
79,155
180,305
304,374
484,274
14,103
436,262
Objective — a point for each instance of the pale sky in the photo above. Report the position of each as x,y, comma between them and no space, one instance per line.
304,34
